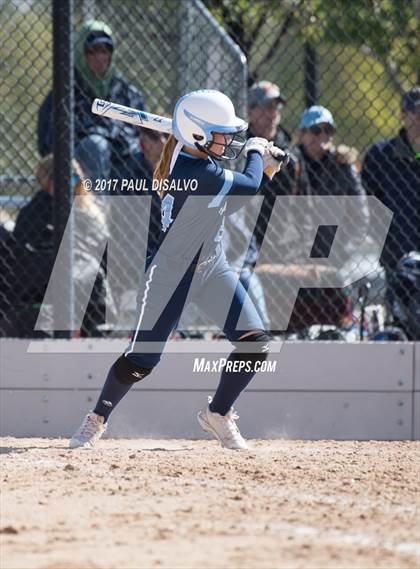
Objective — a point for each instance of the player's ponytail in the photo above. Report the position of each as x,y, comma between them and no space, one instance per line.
162,169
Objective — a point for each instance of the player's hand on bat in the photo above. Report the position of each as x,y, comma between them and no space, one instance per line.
256,143
273,159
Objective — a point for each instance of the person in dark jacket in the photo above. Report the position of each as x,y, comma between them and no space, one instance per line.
391,172
137,175
265,103
332,171
35,256
323,170
102,144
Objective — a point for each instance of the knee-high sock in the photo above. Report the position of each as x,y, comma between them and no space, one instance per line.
231,384
112,393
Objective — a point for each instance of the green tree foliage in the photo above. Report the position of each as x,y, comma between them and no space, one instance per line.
250,23
368,54
26,64
388,30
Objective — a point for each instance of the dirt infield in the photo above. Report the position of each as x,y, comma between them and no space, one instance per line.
190,504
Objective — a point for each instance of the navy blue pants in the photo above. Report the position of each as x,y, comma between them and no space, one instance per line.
217,291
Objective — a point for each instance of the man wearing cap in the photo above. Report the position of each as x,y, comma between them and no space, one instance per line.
264,116
102,144
391,172
264,105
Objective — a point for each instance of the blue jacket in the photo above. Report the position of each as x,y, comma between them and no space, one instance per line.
391,172
122,135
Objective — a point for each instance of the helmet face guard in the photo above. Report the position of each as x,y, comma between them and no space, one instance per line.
231,147
233,138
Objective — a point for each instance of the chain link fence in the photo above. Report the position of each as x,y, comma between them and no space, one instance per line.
356,64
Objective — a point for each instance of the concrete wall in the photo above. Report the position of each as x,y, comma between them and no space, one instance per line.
319,390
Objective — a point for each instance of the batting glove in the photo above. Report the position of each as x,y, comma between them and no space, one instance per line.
256,143
273,160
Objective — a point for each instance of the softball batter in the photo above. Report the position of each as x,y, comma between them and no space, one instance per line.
206,129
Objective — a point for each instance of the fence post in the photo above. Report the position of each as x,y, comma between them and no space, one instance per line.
63,95
311,75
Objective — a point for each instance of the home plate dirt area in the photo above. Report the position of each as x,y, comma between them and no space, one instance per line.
174,503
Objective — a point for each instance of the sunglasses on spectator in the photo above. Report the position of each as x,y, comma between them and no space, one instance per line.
317,130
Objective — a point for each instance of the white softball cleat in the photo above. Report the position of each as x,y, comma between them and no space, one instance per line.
223,427
90,431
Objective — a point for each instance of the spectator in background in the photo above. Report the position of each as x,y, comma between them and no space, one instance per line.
34,260
391,172
125,221
265,103
142,165
102,144
146,156
332,171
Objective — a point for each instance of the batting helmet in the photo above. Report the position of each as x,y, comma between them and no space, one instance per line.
200,114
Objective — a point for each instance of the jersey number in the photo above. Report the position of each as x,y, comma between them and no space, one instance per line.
166,211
